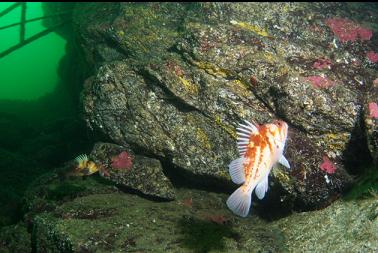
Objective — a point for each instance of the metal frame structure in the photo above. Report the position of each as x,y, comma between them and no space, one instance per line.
22,25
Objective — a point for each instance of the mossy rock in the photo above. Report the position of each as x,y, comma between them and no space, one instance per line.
50,190
119,222
15,239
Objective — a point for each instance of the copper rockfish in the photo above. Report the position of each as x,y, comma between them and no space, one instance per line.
260,148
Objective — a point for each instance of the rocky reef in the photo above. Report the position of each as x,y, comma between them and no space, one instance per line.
172,81
90,215
168,84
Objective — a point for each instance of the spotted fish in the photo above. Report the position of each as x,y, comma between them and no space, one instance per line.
260,148
84,166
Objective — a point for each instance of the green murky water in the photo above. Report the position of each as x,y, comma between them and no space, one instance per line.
39,125
31,71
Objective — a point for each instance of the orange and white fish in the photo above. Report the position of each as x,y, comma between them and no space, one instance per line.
260,148
83,166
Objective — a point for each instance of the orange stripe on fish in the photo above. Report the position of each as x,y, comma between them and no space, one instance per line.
260,147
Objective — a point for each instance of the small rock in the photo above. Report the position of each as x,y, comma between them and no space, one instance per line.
144,174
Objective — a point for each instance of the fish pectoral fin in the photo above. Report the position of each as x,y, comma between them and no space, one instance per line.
236,170
262,188
239,202
284,162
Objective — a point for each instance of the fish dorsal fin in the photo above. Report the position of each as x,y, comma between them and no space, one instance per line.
81,158
236,170
284,162
244,131
262,188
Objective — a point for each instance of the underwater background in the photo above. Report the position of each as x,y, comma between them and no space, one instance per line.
118,122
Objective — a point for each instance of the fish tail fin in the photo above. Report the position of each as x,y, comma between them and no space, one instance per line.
239,202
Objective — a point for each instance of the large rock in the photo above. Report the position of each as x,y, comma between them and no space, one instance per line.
15,239
371,123
346,226
137,172
174,80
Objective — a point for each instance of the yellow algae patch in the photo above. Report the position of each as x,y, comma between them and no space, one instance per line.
194,25
240,88
231,131
241,83
203,138
224,174
189,86
336,141
282,177
250,27
269,57
212,69
284,70
121,33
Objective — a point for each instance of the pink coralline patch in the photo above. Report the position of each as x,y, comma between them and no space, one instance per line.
327,165
322,64
175,68
365,33
347,30
319,81
188,202
218,219
372,56
373,110
122,161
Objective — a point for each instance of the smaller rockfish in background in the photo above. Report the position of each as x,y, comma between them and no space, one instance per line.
260,148
85,167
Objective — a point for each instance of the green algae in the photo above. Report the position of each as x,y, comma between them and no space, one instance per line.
66,189
148,29
203,236
15,239
120,222
366,186
23,77
345,226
